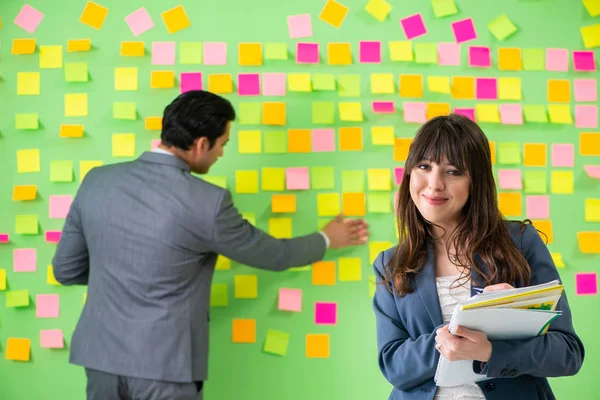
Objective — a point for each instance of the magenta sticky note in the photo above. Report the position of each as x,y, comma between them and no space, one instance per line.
480,56
163,53
53,236
557,60
273,84
563,155
325,313
52,339
413,26
586,116
24,260
300,26
29,18
585,90
46,306
139,21
398,174
449,54
248,84
467,112
586,283
307,53
323,140
290,300
593,171
415,112
154,144
4,238
487,88
538,206
297,178
510,179
511,114
584,60
215,53
369,52
190,81
464,30
59,206
384,107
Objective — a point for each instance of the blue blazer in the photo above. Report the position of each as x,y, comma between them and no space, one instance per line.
517,369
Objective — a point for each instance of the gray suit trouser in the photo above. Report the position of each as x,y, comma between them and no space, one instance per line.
105,386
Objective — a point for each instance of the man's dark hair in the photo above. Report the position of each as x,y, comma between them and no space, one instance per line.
195,114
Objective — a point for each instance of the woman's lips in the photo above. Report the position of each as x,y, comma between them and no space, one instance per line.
436,200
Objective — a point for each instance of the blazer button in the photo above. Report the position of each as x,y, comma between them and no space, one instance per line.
504,372
489,386
513,372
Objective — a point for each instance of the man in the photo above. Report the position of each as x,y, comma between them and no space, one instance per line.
144,236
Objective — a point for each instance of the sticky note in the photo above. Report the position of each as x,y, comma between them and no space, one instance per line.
274,84
589,144
354,204
349,85
486,88
535,113
223,263
76,72
124,110
274,113
563,182
411,86
426,53
28,83
379,179
480,56
17,298
132,49
250,113
317,345
276,51
487,113
123,145
328,204
79,45
535,182
59,206
437,109
401,50
413,26
275,142
593,171
163,53
558,259
322,178
290,300
560,114
246,181
139,21
47,306
297,178
280,228
369,52
509,59
502,27
249,142
307,53
378,9
382,135
349,269
438,84
533,59
71,131
276,342
510,179
586,283
245,287
27,121
76,105
449,54
377,247
283,203
175,19
401,147
218,295
85,167
443,8
467,112
584,61
590,35
299,26
563,155
18,349
509,153
162,79
585,90
509,89
538,207
2,279
215,53
26,224
243,330
126,79
61,171
350,138
586,116
353,181
51,339
463,87
25,260
323,112
53,236
51,57
534,154
509,204
339,54
250,54
325,313
220,83
28,160
399,175
592,210
248,84
93,15
323,273
589,242
299,140
24,192
559,90
557,59
383,107
464,30
23,46
190,53
511,114
350,111
29,18
415,112
333,13
299,82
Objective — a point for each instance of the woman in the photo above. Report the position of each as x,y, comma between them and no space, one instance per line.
453,239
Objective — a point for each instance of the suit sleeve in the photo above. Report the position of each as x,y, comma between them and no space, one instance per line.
559,352
235,238
405,362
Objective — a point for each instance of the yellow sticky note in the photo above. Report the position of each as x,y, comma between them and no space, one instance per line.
243,330
379,179
273,113
28,161
123,144
592,210
250,54
509,59
593,7
132,49
79,45
153,123
2,279
126,79
350,111
246,181
18,349
328,204
401,147
283,203
175,19
563,182
438,84
487,113
377,247
323,273
411,86
220,83
24,192
437,109
249,142
50,278
559,90
245,286
382,83
510,204
560,114
93,15
589,242
350,138
317,345
558,260
333,13
589,144
51,57
273,179
509,89
378,9
590,35
463,87
349,269
28,83
534,154
280,228
23,46
76,105
339,54
299,82
162,79
85,167
71,131
223,263
382,135
401,50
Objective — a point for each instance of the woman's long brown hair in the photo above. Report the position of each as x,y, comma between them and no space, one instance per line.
481,232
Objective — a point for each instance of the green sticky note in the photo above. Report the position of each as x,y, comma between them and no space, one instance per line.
322,178
218,295
323,81
323,112
534,60
535,113
61,171
250,217
249,113
353,181
276,51
190,53
276,342
349,85
275,142
76,72
443,8
426,53
509,153
27,121
502,27
27,224
535,182
220,181
372,285
379,203
17,298
124,110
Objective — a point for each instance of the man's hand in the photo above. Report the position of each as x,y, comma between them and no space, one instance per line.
467,345
346,232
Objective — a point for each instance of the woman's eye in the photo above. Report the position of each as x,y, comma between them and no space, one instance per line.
423,166
454,172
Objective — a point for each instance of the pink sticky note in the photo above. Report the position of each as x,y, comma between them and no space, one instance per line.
53,236
586,116
325,313
586,283
248,84
413,26
487,88
323,140
29,18
449,54
480,56
510,179
215,53
415,112
297,178
399,174
467,112
584,60
396,201
557,59
563,155
290,299
464,30
384,107
370,52
46,306
511,114
307,53
538,207
24,260
593,171
300,26
59,206
273,84
190,81
585,90
163,53
52,339
4,238
139,21
154,144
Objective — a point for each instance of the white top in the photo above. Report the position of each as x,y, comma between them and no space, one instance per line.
449,297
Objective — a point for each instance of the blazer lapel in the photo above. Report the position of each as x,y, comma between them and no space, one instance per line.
426,286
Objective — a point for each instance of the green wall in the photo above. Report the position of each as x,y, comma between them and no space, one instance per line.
244,370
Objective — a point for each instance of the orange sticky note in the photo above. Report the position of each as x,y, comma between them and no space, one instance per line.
510,204
23,46
153,123
175,19
243,330
220,83
534,154
437,109
351,139
132,49
559,90
411,86
333,13
354,204
273,113
509,59
401,146
339,54
93,15
162,79
323,273
463,87
493,151
18,349
589,242
299,141
71,131
24,192
79,45
317,345
250,54
589,144
544,227
283,203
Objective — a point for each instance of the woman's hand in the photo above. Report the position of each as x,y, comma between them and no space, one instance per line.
499,286
467,345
